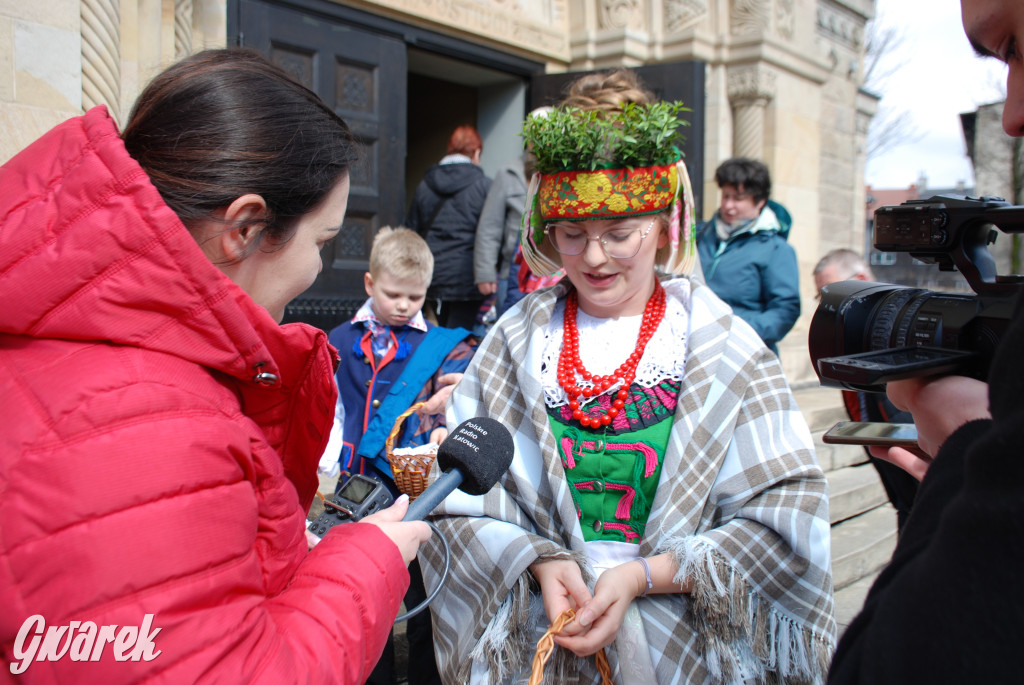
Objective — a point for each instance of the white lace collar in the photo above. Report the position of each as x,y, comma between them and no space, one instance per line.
606,343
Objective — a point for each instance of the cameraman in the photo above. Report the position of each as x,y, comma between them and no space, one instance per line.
949,607
900,487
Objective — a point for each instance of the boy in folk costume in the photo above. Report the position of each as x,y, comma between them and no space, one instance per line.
391,358
664,484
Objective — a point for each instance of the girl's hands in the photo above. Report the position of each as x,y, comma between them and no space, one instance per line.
598,621
562,586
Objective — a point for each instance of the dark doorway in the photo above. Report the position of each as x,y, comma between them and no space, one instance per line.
430,127
403,90
355,72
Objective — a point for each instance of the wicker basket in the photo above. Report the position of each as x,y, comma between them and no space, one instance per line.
410,470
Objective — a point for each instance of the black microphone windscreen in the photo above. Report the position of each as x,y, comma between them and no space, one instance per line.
481,448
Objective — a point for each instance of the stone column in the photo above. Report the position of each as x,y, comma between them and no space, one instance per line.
750,90
101,55
182,28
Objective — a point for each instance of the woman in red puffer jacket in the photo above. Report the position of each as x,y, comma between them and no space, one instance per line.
161,429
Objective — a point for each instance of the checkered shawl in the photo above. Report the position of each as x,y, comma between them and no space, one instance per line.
742,506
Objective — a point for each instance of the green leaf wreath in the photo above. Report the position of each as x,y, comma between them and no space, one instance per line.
569,138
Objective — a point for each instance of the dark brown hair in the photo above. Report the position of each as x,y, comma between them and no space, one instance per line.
749,175
465,141
224,123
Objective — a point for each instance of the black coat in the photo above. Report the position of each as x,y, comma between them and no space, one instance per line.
462,187
949,607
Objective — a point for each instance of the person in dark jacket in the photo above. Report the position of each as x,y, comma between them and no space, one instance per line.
743,251
948,608
445,211
497,234
901,488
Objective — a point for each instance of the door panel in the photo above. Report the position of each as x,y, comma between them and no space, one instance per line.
671,81
362,75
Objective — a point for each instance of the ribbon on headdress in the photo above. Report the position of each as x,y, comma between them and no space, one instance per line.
609,194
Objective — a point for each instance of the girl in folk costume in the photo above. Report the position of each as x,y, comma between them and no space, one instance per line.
664,484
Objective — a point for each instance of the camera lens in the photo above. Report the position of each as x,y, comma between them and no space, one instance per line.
894,316
856,317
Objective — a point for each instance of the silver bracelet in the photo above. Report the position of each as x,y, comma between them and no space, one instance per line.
647,572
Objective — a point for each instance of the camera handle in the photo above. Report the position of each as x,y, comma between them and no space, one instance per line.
975,260
444,576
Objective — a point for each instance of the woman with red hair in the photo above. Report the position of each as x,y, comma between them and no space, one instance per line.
445,211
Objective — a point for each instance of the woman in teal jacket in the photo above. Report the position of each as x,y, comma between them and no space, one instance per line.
743,251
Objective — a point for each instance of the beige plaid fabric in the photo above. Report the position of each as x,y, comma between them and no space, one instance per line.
742,505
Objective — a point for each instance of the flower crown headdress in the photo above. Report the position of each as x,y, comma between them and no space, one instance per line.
592,164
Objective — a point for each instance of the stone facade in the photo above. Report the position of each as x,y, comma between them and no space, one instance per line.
998,163
783,80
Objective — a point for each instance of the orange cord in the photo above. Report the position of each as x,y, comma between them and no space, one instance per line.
546,645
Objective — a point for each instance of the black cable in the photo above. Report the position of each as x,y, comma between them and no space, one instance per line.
444,576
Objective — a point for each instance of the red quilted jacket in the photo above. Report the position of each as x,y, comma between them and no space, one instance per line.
145,468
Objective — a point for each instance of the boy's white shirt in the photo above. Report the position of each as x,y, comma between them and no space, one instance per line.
330,461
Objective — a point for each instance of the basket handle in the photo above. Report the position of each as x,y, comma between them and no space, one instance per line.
546,645
398,426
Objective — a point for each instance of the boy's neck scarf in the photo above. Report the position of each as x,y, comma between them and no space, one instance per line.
380,333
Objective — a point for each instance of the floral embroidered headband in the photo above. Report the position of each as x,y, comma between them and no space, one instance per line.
600,165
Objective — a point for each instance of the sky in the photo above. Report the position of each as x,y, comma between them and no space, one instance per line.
934,77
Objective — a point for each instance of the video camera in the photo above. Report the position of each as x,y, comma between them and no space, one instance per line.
865,334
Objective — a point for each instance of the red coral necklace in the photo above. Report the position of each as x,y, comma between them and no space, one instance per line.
569,363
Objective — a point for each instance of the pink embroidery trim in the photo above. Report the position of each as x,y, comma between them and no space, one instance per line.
623,528
625,502
650,456
567,455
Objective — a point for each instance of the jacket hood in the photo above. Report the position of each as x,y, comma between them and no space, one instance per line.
782,215
448,179
89,251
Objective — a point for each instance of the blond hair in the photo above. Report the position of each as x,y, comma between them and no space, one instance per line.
607,91
402,253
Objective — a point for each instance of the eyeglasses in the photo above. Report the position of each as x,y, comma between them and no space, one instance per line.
617,243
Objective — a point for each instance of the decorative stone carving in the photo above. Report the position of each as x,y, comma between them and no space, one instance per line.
620,14
749,16
539,26
182,28
750,84
101,55
682,13
840,26
785,19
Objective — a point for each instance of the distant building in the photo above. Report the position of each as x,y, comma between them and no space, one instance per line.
998,171
901,268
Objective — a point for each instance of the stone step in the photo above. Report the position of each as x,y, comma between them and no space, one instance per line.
853,490
850,600
863,544
820,406
835,457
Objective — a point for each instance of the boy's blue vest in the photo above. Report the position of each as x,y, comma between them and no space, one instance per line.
399,379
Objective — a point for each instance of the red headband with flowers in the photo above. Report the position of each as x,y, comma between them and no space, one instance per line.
606,193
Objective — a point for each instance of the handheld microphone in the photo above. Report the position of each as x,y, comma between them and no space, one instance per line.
472,459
